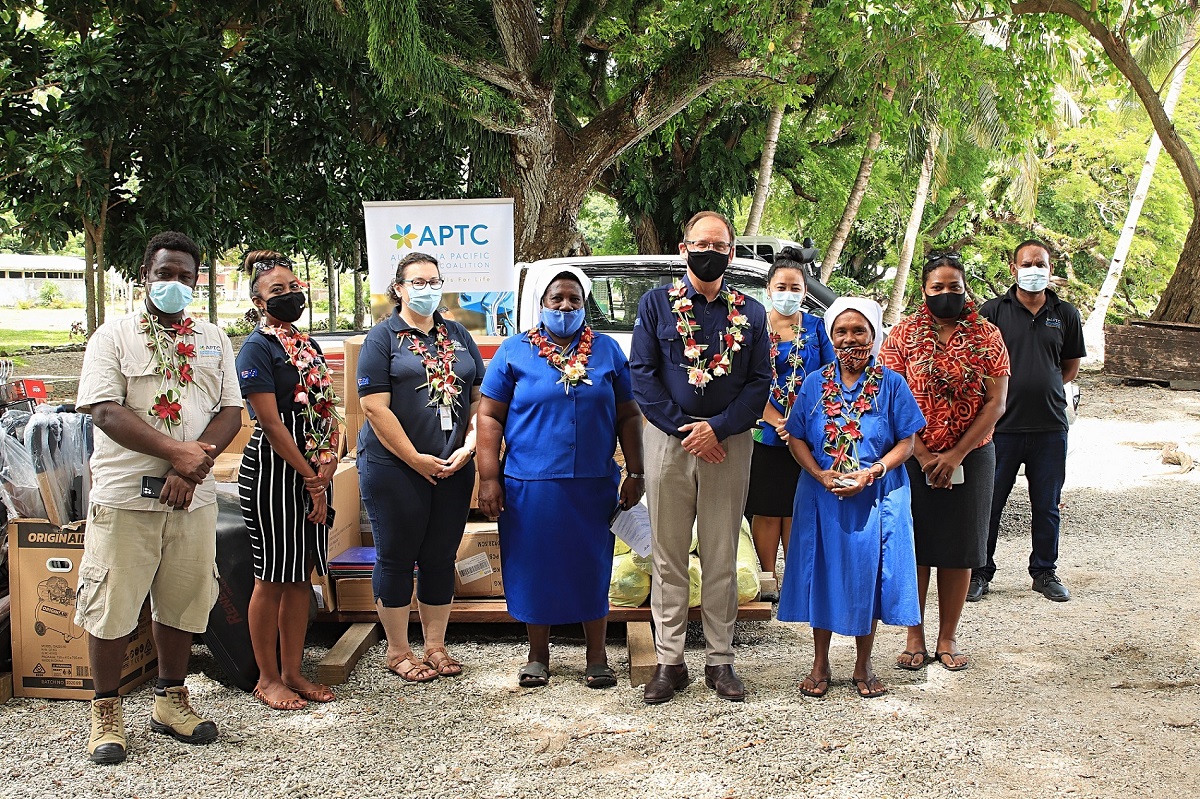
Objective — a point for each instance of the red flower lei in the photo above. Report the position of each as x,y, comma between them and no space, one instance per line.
923,344
314,392
701,373
572,368
171,361
795,362
841,440
439,367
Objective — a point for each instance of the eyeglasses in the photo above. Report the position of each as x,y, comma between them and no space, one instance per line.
269,264
701,246
934,257
420,283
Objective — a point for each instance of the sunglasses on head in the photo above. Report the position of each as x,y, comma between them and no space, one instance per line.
934,257
269,264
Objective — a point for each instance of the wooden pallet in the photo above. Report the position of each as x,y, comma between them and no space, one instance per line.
365,631
6,687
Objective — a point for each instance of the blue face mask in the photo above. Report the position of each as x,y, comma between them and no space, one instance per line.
424,302
563,324
787,303
1032,278
170,296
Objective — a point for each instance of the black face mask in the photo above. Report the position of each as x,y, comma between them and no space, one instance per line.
946,306
708,265
286,307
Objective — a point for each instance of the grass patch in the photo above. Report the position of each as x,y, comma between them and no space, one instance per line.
21,340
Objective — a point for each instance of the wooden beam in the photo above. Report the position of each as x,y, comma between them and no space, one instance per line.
495,611
639,639
6,691
335,667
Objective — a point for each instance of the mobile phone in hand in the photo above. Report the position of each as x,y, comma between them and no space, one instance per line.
612,518
845,482
152,487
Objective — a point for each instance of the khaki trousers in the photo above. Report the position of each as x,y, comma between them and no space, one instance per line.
682,489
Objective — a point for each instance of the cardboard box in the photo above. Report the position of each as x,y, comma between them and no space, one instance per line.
354,593
351,410
477,564
228,463
50,652
345,532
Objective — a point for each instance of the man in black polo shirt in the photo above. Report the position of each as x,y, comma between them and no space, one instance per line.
1044,336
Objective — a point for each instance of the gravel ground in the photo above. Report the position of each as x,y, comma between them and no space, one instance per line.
1097,697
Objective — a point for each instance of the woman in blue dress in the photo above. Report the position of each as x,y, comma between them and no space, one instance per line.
799,347
851,561
559,396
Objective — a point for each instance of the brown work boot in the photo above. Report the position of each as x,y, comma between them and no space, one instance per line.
173,715
107,742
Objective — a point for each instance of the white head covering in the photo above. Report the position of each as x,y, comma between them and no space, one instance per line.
542,281
868,308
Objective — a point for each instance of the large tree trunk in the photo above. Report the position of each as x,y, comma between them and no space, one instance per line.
646,236
765,166
1181,300
909,245
1093,329
212,286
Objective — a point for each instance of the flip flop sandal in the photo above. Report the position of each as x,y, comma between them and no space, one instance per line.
599,675
816,691
442,662
533,675
910,665
865,688
321,693
951,665
283,704
417,667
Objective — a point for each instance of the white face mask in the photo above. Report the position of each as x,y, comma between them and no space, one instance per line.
787,303
1033,278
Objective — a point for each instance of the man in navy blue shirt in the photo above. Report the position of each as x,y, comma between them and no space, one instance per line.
1044,336
701,372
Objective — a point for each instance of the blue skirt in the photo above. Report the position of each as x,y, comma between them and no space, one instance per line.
556,548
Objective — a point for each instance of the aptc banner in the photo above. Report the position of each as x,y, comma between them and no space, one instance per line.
472,241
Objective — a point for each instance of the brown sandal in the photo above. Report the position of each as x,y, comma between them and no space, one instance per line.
297,703
418,666
321,693
443,664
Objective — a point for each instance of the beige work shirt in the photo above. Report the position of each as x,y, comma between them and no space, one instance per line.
119,367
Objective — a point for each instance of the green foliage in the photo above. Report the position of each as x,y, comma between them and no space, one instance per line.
50,295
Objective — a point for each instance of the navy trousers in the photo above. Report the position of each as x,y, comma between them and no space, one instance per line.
1045,457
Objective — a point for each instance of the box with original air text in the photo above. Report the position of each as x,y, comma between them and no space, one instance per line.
477,564
50,652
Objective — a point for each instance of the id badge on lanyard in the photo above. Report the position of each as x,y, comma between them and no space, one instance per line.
446,418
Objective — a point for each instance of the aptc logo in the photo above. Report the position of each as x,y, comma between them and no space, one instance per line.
404,237
440,236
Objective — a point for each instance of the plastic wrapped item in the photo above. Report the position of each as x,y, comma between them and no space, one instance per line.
747,566
620,547
18,481
13,423
693,581
630,586
53,441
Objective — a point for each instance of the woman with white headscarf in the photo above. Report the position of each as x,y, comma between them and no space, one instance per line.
851,561
559,396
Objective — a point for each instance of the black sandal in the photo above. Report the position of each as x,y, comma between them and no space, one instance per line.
866,689
533,675
599,675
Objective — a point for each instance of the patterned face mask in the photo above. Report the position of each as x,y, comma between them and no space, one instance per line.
854,358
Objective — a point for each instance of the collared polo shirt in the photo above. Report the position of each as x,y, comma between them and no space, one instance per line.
552,433
263,368
118,366
1037,346
387,365
733,403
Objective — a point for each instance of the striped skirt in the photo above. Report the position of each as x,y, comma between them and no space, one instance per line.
286,545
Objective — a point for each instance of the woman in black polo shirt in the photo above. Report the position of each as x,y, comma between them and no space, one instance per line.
418,384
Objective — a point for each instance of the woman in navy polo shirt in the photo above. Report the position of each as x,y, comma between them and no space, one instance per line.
284,481
418,384
560,396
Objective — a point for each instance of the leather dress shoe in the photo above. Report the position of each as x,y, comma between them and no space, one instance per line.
728,684
665,682
977,588
1048,585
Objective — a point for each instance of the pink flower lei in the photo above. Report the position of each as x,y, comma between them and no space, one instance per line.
440,378
314,391
841,439
700,372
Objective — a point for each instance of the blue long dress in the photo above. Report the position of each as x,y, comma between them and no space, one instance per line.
560,480
852,561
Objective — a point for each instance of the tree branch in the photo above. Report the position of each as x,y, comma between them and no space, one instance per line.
519,33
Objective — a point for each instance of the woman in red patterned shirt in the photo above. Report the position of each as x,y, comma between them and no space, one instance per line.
957,366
